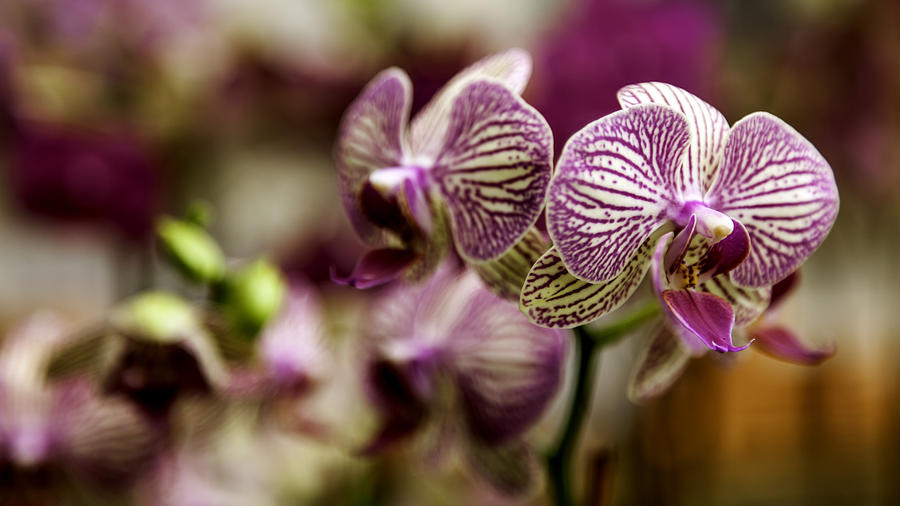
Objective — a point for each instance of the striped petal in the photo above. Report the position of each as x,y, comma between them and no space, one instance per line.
511,469
371,137
507,370
506,275
613,188
708,127
661,362
493,169
553,297
781,189
103,438
429,127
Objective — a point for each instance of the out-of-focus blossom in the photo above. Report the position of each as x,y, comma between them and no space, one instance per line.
603,45
450,360
471,168
290,356
75,175
153,349
191,249
750,204
67,426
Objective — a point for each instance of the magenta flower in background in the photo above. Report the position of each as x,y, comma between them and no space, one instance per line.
66,426
450,360
470,169
80,176
603,45
750,203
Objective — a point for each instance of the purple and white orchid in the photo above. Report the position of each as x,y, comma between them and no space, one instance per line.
749,204
65,426
450,360
471,168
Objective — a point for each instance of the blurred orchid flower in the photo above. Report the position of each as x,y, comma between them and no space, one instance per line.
449,358
290,355
749,205
46,427
153,349
471,168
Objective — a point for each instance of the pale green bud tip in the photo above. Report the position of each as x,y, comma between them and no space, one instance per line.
191,249
254,294
160,316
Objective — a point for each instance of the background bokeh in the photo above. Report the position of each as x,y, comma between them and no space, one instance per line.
114,111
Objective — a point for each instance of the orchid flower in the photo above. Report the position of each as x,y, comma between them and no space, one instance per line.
451,360
290,357
68,425
470,169
749,204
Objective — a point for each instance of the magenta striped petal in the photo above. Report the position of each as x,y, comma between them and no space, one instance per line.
506,275
613,188
371,137
507,369
429,127
660,363
780,188
553,297
708,128
494,169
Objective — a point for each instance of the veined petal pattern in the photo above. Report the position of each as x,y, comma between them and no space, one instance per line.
781,189
613,188
494,169
708,127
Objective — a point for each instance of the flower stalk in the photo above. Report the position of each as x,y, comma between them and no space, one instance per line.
587,343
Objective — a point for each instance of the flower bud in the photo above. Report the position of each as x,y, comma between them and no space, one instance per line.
191,250
252,295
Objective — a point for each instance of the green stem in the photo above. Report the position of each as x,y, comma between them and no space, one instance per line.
587,343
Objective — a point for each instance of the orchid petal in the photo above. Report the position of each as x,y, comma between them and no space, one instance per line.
428,129
553,297
708,127
613,188
708,317
781,343
661,362
104,438
728,253
371,137
748,303
511,468
507,369
506,275
377,267
781,189
494,169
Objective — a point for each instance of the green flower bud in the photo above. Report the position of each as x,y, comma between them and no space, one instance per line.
252,295
157,316
191,249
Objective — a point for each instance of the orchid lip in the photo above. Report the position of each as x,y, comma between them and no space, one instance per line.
710,223
389,180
